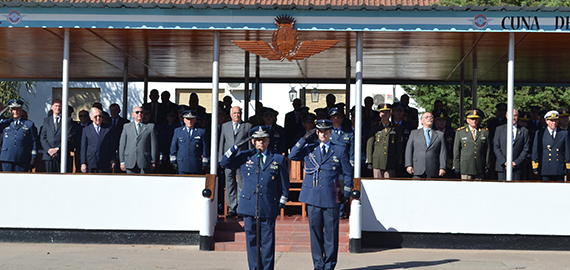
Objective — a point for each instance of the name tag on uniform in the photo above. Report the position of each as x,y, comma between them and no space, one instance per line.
25,128
197,137
392,132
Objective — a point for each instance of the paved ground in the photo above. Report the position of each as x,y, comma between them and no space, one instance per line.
80,256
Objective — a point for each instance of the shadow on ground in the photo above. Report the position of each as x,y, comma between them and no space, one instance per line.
405,265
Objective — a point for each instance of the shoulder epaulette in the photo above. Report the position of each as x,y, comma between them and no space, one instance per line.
461,128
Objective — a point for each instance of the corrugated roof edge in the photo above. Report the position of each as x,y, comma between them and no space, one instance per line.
170,5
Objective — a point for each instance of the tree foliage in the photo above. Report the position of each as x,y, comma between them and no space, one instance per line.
11,90
549,98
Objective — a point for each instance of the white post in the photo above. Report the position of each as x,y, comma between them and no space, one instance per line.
64,103
355,241
510,94
215,90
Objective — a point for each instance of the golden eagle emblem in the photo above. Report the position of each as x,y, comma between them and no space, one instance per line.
285,43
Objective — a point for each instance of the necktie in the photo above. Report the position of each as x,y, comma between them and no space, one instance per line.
98,128
138,128
324,150
235,128
553,134
17,123
428,137
56,123
190,133
473,132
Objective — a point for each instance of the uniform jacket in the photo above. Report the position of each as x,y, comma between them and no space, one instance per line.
321,173
449,137
274,181
551,157
140,150
165,133
50,136
19,143
426,159
346,139
190,152
277,142
228,139
407,128
521,146
95,150
293,125
384,147
470,156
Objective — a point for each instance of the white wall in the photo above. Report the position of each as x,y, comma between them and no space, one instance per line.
104,202
466,207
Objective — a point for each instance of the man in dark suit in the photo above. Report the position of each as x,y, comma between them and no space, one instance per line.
293,123
165,133
189,149
412,112
521,146
551,150
138,145
96,155
260,164
426,154
322,192
276,132
50,137
153,107
231,133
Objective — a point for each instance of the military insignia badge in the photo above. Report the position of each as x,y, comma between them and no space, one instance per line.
274,166
197,137
335,159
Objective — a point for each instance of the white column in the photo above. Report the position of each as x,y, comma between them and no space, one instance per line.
215,87
64,102
358,108
510,94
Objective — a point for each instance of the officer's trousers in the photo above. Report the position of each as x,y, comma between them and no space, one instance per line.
15,166
323,225
267,242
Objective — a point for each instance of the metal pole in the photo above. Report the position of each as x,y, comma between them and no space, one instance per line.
510,95
125,87
64,103
145,88
215,90
347,83
246,93
474,83
355,239
257,109
462,97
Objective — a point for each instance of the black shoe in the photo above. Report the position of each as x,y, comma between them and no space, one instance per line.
343,216
231,214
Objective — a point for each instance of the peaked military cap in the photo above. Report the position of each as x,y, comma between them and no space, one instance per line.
322,113
270,111
563,112
189,114
324,124
311,117
259,132
398,106
439,114
551,115
524,116
473,114
384,107
335,111
15,103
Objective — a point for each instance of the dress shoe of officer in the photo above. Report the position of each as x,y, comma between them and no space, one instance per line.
231,214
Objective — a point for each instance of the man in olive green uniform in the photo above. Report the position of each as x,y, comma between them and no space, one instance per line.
471,148
384,147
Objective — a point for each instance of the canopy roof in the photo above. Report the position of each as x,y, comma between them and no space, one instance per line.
174,40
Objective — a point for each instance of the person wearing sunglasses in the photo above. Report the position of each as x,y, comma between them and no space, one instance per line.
138,145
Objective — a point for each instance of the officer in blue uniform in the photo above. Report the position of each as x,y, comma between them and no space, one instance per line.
189,147
322,192
273,191
18,140
551,150
277,141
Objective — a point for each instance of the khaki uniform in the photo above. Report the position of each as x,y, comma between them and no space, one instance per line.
384,147
470,156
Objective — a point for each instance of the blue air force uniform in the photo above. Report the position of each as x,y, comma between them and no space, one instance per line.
321,191
19,145
189,151
274,189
